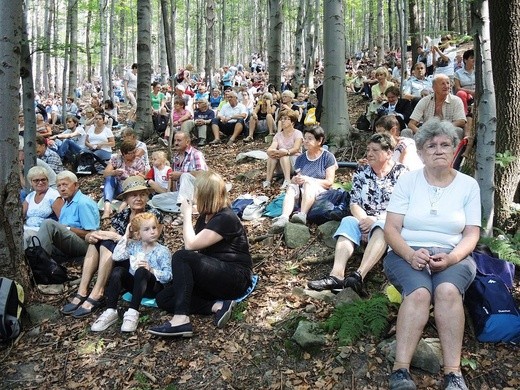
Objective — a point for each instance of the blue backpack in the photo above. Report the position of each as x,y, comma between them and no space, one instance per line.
490,304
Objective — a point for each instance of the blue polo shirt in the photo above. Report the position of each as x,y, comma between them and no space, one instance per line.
81,212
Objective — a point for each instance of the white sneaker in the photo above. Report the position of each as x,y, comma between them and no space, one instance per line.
279,224
285,184
266,184
104,321
130,320
300,218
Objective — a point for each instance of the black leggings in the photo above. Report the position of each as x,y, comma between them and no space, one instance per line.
199,281
141,284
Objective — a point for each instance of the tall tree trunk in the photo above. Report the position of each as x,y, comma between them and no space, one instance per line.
55,43
10,207
298,47
170,55
37,35
401,15
310,48
414,28
173,39
380,33
487,126
73,56
103,47
223,27
451,15
143,124
66,60
275,43
391,42
87,46
122,42
210,40
163,57
27,101
187,32
200,37
111,42
334,118
504,27
47,75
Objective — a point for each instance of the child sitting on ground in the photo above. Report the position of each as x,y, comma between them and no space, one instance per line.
158,178
150,269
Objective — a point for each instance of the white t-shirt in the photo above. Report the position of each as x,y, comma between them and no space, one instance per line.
451,53
80,138
435,219
100,138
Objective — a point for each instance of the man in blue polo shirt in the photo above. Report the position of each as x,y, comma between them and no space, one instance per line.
79,215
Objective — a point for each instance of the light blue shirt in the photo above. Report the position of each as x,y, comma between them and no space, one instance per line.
81,212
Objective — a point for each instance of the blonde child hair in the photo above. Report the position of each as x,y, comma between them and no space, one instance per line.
161,155
138,220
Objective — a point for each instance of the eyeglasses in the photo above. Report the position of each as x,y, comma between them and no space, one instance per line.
39,180
131,152
432,148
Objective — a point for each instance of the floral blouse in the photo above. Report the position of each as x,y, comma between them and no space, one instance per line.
372,193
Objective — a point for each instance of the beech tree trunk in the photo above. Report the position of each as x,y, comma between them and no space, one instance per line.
73,50
504,27
274,56
487,115
298,47
210,41
334,118
380,33
11,227
103,47
143,126
170,55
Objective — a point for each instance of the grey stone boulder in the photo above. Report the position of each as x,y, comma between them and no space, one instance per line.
345,296
308,335
325,232
296,235
427,355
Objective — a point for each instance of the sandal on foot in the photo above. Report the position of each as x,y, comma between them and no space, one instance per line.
248,139
81,312
70,307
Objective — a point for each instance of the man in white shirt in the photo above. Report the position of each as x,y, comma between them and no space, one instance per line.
230,120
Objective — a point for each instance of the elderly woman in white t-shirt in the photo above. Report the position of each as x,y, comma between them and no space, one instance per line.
432,226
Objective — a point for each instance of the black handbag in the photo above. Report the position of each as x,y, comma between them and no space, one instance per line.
362,122
45,269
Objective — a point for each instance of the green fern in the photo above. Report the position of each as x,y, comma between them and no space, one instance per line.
507,247
360,318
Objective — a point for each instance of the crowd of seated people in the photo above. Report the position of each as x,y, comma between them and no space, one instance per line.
239,105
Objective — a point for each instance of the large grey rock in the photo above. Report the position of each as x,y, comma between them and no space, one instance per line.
325,295
427,355
326,231
253,174
42,312
296,235
307,335
345,296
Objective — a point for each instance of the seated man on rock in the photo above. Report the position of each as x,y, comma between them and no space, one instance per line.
65,239
201,120
230,120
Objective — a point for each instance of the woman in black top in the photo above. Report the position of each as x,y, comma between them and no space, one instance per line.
215,266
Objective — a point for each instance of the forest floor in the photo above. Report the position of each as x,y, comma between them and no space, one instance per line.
255,349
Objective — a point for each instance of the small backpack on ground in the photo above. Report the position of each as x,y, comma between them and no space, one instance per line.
45,270
490,304
274,208
86,163
160,123
11,309
331,205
